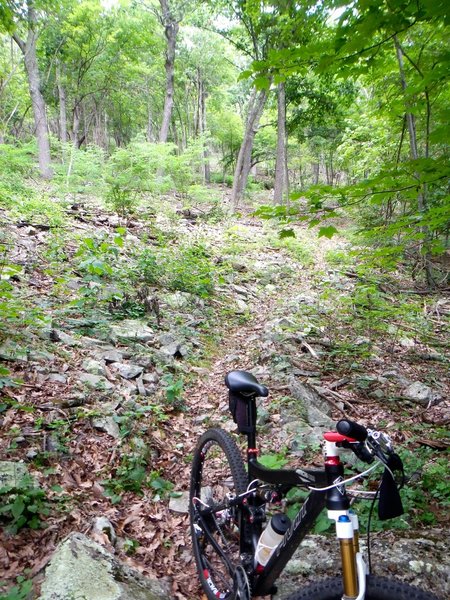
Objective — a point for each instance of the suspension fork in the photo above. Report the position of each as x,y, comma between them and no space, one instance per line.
337,503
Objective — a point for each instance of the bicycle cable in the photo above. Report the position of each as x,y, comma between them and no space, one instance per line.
344,481
369,522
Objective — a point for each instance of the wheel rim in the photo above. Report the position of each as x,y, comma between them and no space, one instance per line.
213,482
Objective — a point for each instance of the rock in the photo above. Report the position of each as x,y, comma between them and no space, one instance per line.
96,382
177,300
396,377
361,341
305,437
111,356
176,349
202,418
317,408
420,393
56,378
239,266
131,330
64,338
150,377
407,342
104,525
41,356
180,504
167,338
144,361
377,394
422,560
241,306
31,454
75,399
11,473
9,350
239,289
127,371
88,342
93,366
108,425
81,568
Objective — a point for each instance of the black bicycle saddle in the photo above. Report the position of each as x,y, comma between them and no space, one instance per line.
242,382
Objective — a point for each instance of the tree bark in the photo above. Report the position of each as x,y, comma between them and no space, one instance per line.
243,164
28,49
62,105
280,164
202,120
171,27
421,200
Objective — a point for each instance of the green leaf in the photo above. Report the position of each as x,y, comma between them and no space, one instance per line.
261,83
327,231
286,233
18,507
272,461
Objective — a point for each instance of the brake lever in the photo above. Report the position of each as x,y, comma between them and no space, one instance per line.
380,445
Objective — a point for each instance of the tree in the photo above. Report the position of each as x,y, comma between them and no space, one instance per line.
171,26
26,16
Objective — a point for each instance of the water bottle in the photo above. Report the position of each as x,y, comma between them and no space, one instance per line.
271,537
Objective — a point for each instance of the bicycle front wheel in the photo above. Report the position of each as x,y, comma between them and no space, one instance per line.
217,472
378,588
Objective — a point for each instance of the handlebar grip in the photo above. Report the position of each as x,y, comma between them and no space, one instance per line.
352,429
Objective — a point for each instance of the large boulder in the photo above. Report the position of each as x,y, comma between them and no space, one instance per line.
81,568
317,409
131,330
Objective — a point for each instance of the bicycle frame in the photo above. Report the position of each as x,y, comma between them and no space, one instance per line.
335,500
252,513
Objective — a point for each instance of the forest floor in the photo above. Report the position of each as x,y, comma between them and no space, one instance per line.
107,414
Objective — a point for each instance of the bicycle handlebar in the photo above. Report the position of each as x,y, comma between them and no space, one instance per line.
352,429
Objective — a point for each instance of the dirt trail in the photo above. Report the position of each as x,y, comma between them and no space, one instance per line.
270,284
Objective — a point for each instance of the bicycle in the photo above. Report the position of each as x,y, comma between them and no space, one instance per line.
229,504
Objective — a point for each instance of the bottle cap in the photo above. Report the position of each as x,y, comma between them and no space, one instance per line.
280,523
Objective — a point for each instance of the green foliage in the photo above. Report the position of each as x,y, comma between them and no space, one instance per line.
23,505
297,249
173,389
20,591
273,461
187,268
142,168
123,200
132,475
97,259
81,169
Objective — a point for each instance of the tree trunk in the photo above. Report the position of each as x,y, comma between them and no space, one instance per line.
28,49
149,123
76,125
202,119
280,164
421,200
243,164
171,27
62,105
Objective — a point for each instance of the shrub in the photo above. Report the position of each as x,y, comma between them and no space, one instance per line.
23,504
185,269
16,163
80,169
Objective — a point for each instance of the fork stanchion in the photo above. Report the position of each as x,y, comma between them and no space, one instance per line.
344,532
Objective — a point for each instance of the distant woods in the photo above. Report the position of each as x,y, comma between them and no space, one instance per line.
325,112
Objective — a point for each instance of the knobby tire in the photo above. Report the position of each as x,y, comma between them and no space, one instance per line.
217,469
378,588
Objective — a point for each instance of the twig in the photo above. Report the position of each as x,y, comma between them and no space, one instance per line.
310,349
